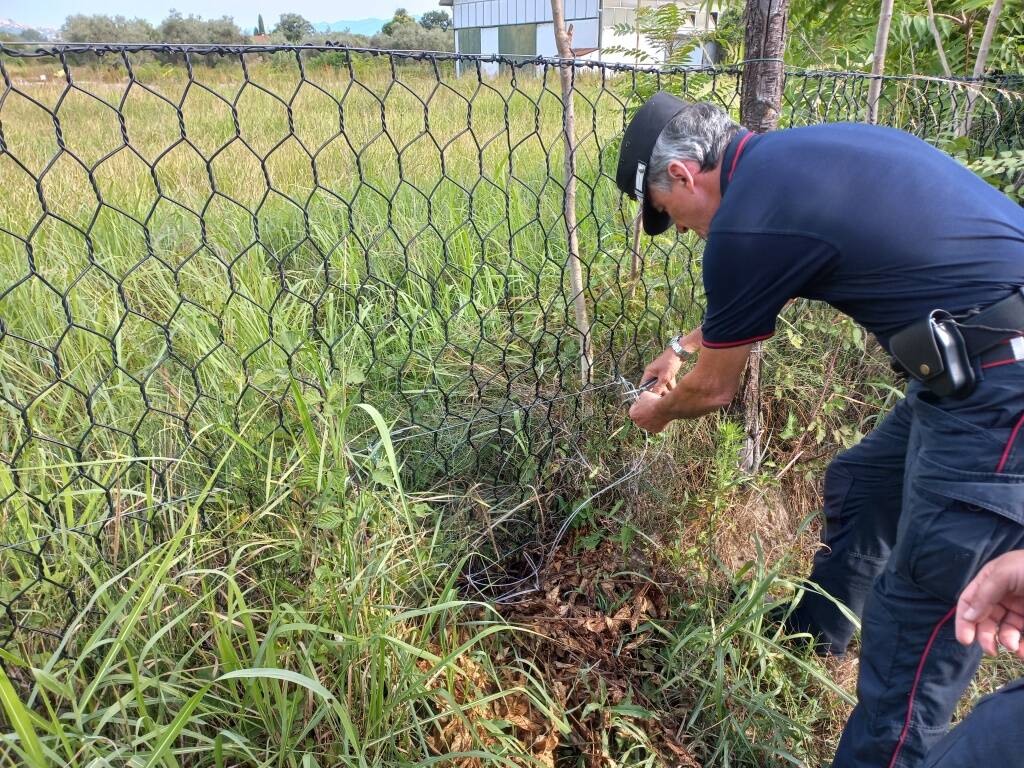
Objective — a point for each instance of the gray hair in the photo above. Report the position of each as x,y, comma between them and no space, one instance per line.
701,132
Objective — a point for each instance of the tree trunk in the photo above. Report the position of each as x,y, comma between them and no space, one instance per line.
763,71
938,40
878,60
760,106
563,39
981,61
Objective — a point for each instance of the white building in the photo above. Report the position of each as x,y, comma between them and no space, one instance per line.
524,28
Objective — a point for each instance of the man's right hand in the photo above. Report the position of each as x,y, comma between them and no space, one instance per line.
991,607
664,368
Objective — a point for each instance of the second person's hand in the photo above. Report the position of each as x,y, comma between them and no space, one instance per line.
991,607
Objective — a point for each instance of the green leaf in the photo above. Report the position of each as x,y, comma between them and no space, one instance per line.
167,738
633,710
285,675
21,719
304,417
385,438
330,519
49,682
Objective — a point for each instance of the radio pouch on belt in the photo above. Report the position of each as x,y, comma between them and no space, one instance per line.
933,351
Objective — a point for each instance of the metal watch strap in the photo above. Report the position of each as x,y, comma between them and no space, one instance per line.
678,348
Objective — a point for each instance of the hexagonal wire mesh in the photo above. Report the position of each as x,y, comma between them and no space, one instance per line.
191,235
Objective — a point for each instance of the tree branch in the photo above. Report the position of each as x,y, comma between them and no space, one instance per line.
563,38
981,61
938,39
878,60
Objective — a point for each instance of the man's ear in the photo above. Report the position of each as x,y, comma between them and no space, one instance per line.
679,170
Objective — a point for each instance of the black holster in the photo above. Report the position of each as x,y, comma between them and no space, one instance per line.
934,352
938,350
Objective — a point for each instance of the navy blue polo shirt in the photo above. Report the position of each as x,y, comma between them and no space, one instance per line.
872,220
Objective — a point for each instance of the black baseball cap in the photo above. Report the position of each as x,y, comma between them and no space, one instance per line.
635,153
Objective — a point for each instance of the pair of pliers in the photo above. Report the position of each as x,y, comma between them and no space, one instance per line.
631,393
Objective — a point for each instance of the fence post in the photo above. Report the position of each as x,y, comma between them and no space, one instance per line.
760,105
563,39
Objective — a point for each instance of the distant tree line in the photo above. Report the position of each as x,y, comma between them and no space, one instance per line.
431,33
176,28
24,36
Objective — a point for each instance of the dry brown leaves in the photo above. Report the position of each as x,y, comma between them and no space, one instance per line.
472,727
588,633
589,630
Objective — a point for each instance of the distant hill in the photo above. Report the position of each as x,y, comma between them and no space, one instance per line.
11,27
358,26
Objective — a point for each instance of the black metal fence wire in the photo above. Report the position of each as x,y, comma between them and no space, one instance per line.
192,235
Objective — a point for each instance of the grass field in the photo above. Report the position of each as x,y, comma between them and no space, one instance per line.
228,534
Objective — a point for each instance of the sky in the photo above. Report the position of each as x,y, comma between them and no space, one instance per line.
51,13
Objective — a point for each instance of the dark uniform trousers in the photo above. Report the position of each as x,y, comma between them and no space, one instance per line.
992,736
911,515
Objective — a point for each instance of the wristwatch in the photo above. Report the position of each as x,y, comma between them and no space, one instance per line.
678,348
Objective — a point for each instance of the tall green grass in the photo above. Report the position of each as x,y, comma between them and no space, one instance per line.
411,235
252,642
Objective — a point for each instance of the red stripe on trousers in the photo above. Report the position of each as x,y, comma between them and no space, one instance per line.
947,617
917,679
1009,445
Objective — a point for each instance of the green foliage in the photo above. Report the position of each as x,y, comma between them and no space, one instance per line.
194,29
1004,171
659,27
728,446
401,17
174,29
260,29
221,647
436,20
24,36
326,59
81,28
835,34
410,36
841,35
293,27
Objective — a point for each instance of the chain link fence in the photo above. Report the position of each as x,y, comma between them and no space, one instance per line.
202,240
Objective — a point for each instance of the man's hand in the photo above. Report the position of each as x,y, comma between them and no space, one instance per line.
991,607
649,412
709,385
665,367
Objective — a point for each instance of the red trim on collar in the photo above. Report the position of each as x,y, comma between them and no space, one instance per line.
736,157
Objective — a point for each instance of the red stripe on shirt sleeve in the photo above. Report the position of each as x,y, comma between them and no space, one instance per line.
727,344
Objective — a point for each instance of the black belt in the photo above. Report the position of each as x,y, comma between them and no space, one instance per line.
994,325
1003,353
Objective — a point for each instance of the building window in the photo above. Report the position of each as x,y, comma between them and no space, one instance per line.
518,40
469,40
613,17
